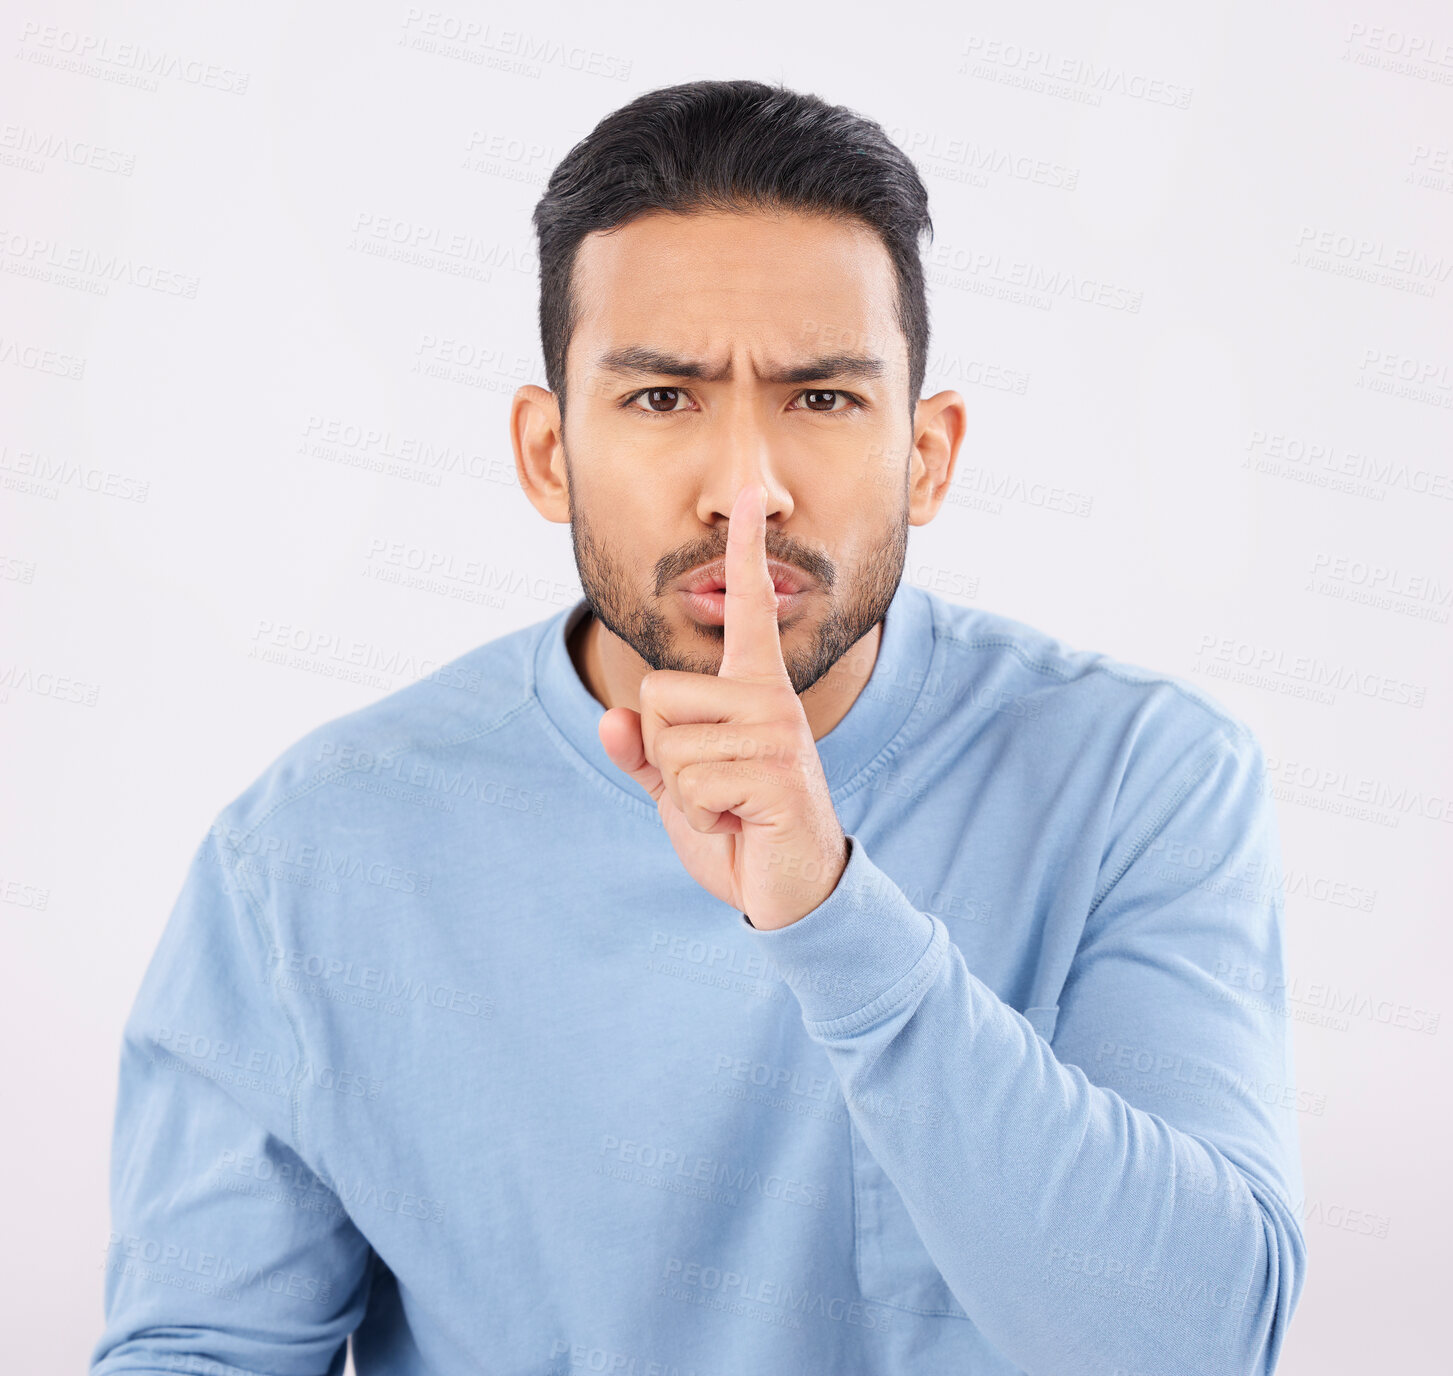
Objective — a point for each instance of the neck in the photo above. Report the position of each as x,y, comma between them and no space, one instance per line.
612,672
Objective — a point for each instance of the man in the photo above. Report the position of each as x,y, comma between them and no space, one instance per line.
763,965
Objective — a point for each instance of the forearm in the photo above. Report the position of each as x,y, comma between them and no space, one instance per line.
1080,1233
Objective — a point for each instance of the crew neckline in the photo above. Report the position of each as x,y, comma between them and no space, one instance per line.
877,715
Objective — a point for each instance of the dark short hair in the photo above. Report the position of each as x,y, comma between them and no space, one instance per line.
730,145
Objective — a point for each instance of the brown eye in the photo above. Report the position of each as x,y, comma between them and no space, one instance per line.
660,399
815,400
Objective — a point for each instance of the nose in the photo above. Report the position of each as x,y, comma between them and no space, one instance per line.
740,457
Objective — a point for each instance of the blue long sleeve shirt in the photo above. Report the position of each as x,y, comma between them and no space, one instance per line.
442,1047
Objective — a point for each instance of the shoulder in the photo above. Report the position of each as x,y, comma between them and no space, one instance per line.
1140,722
430,720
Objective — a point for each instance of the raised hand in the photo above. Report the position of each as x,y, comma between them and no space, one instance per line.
730,760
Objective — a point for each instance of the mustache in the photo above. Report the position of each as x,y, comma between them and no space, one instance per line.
816,566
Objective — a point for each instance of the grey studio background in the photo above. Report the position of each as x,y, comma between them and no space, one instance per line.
267,285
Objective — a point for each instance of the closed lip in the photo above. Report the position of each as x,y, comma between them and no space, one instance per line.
712,578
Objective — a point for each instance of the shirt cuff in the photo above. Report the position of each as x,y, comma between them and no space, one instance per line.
863,951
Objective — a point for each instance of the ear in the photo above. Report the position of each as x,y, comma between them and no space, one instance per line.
939,425
538,438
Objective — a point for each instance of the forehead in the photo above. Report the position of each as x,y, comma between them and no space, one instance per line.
707,283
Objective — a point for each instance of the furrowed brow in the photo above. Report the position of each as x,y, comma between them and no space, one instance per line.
639,361
830,368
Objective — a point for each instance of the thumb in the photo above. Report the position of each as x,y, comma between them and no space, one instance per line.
620,734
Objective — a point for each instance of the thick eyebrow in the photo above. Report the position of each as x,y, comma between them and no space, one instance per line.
638,361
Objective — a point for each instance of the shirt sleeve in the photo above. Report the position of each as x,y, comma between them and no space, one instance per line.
227,1254
1122,1198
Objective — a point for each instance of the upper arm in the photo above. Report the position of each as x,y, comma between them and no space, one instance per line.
226,1250
1155,1004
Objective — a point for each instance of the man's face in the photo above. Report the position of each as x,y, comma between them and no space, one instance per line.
717,350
